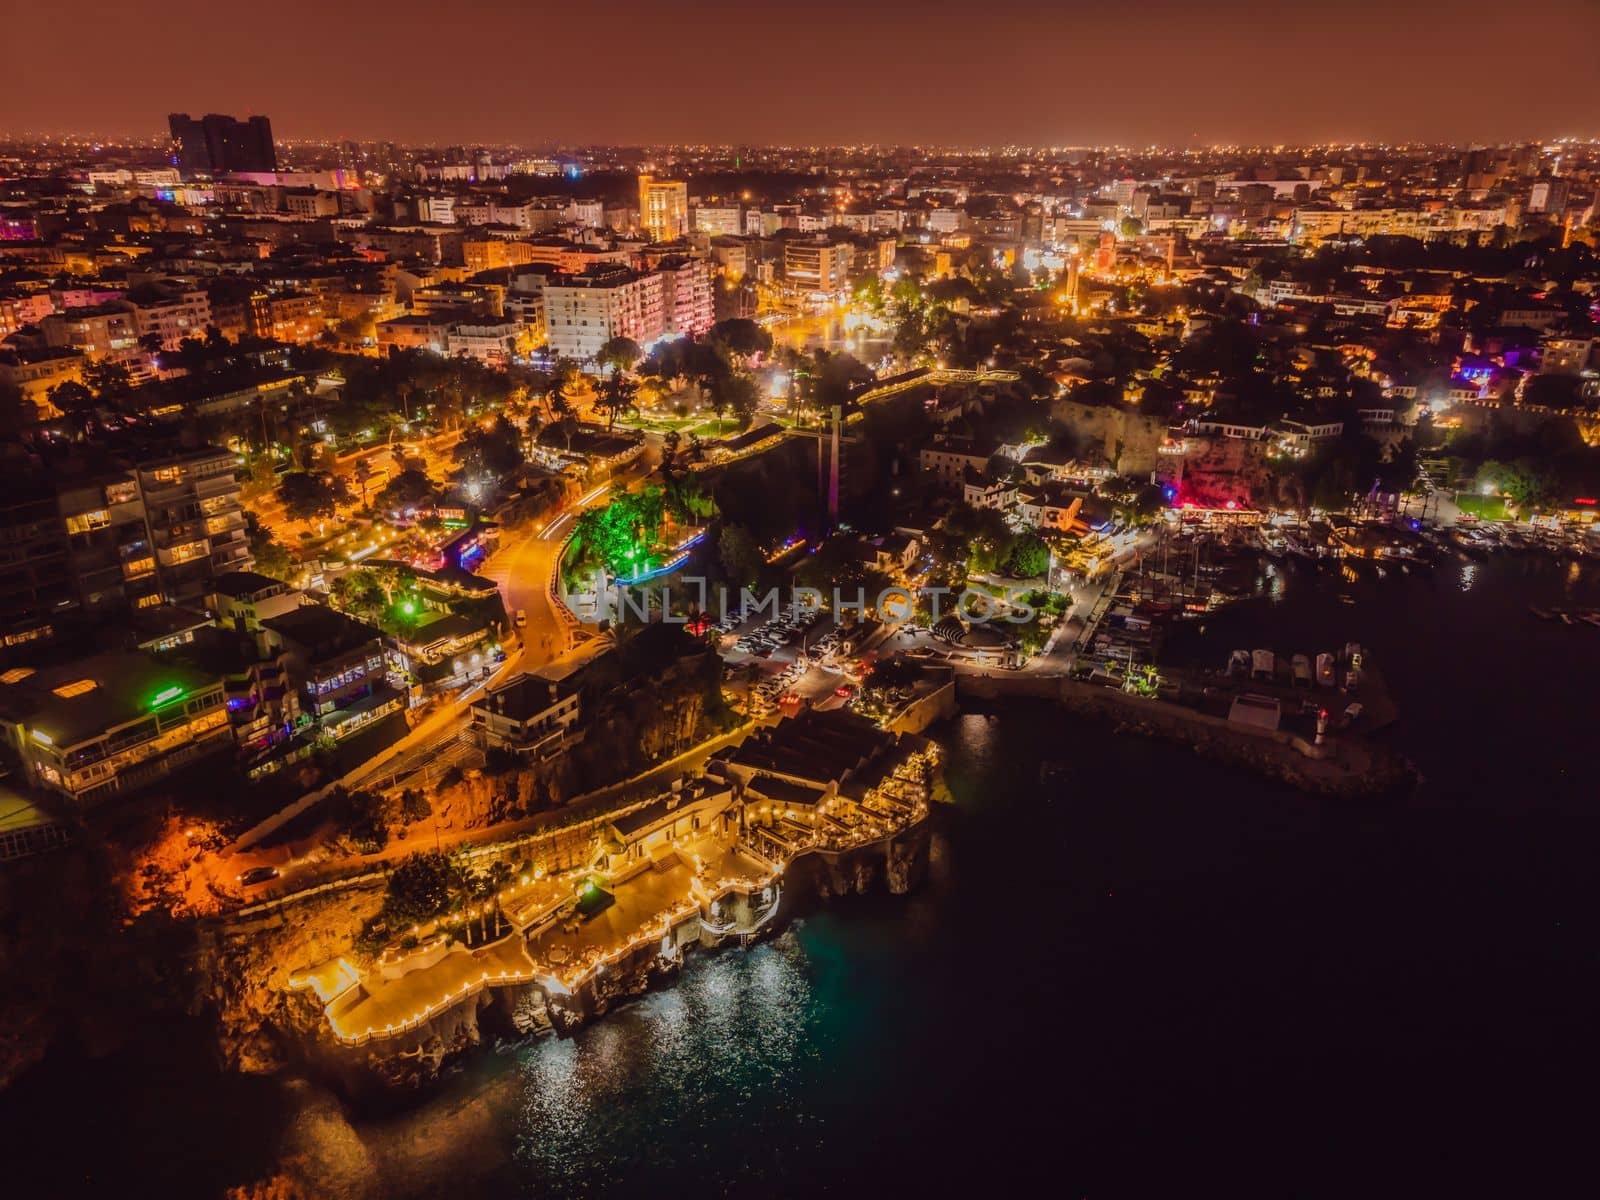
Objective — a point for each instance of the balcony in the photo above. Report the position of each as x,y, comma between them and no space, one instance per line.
172,556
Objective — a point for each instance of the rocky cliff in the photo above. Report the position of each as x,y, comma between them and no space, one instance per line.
244,965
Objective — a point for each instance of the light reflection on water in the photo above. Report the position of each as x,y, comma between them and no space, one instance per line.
731,1038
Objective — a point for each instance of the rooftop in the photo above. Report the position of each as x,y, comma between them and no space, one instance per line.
77,701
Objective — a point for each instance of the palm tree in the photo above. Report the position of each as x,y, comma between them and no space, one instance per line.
617,395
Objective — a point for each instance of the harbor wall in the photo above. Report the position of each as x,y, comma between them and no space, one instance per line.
1339,766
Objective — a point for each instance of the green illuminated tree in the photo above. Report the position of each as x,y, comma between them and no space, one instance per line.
1028,557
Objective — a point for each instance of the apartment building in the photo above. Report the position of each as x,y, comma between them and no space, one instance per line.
195,520
719,220
72,545
816,267
663,208
583,312
33,372
688,305
107,724
295,317
948,460
535,715
336,666
494,342
172,316
109,330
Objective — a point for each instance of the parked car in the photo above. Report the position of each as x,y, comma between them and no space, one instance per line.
257,875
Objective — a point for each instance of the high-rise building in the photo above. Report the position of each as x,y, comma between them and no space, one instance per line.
74,545
663,208
816,267
583,312
1548,195
215,144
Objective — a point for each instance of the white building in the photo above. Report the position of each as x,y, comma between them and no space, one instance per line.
726,220
584,312
492,343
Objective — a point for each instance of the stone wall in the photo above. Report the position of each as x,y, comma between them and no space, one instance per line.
1341,766
1102,426
926,710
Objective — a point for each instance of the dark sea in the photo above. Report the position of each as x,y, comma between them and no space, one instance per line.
1150,975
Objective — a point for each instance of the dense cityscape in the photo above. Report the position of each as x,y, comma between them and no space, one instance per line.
457,599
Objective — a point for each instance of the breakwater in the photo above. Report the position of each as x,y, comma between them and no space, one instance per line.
1340,765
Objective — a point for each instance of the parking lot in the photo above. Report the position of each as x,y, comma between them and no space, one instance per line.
785,661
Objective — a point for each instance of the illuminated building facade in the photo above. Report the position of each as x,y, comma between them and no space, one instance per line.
103,725
817,267
663,208
583,312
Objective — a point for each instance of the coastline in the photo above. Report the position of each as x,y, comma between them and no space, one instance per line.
1340,766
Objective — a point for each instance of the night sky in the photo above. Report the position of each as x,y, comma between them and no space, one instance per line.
1041,72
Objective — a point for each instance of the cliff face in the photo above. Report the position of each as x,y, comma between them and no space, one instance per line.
74,964
244,967
426,1054
416,1059
901,864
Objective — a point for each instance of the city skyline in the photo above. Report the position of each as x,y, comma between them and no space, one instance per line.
700,601
1095,79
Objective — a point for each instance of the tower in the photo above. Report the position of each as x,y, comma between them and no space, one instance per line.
833,465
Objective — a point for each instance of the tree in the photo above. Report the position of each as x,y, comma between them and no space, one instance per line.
422,887
741,336
1029,556
71,396
558,403
686,500
618,353
619,535
306,496
271,556
736,391
616,396
739,555
107,378
16,412
494,452
409,487
1523,482
361,593
362,472
671,455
